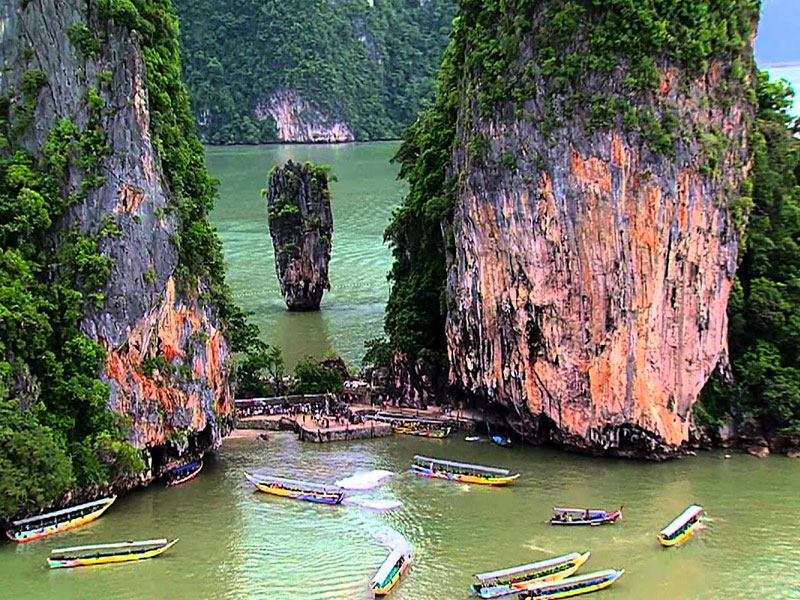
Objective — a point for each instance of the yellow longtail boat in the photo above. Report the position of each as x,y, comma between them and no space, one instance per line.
496,584
100,554
33,528
463,472
682,528
572,586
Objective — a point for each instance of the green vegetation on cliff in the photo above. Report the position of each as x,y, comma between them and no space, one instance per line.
56,432
764,310
370,65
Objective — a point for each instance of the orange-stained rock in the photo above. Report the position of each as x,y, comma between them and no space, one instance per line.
588,285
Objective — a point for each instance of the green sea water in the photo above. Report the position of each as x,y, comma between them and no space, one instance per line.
362,201
237,544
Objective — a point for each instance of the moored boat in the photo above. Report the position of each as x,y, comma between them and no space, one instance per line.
504,582
100,554
572,586
502,441
33,528
682,527
463,472
584,516
297,490
437,433
390,571
184,473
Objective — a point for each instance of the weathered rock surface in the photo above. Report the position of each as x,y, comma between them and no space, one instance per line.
166,351
299,121
589,275
301,225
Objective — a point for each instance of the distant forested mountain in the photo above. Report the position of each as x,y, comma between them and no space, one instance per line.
310,70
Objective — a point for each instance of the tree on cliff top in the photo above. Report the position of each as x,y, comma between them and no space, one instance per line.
764,310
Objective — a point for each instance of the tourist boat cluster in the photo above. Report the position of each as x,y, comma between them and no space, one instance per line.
550,579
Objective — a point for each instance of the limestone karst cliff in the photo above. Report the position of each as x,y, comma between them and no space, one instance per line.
301,225
576,199
124,267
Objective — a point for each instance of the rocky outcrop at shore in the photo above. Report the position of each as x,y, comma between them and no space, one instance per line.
94,126
598,195
301,225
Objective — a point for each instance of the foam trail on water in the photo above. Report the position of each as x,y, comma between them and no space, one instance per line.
365,480
376,504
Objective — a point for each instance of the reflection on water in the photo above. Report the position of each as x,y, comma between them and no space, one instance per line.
237,544
362,201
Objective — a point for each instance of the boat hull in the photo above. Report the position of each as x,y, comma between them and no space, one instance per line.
104,560
435,434
677,541
387,587
473,479
188,477
574,592
570,568
22,537
607,520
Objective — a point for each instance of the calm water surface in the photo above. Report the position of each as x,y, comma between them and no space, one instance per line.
363,198
237,544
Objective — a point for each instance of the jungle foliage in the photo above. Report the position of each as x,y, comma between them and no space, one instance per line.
369,64
764,309
56,432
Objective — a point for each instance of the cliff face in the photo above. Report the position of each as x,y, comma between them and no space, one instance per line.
301,226
165,345
298,121
590,274
596,178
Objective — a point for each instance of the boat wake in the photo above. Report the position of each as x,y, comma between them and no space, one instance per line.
365,480
376,504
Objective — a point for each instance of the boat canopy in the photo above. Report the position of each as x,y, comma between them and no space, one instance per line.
115,546
182,468
387,566
63,511
503,573
688,515
296,483
581,511
458,465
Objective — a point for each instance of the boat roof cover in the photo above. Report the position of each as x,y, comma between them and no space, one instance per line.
581,511
388,565
306,485
686,516
64,511
524,568
459,465
130,544
185,467
585,578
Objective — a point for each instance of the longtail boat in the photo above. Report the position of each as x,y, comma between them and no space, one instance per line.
390,571
297,490
504,582
438,433
465,473
572,586
85,556
682,528
584,516
33,528
184,473
502,441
